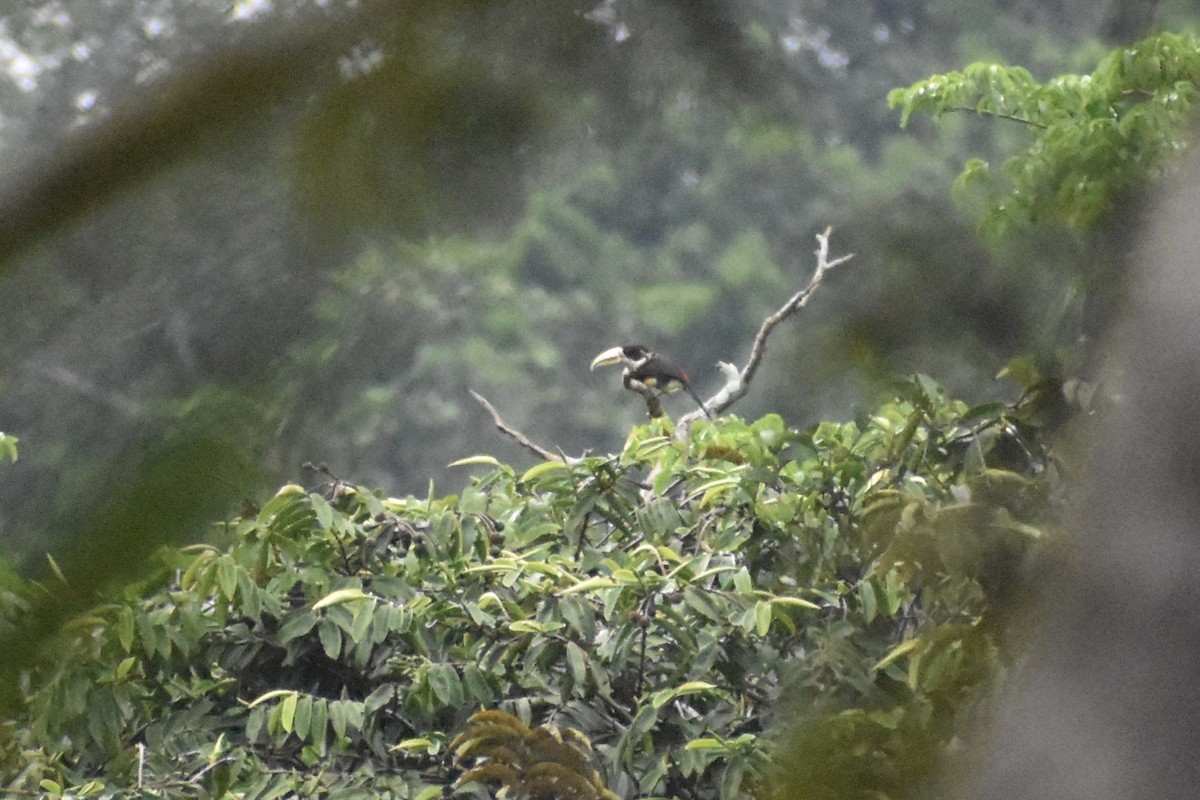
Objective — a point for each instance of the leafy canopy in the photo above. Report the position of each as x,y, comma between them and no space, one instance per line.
618,624
1091,136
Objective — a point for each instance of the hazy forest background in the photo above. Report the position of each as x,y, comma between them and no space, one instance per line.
350,224
246,244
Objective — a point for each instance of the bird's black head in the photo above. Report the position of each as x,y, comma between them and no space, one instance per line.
635,352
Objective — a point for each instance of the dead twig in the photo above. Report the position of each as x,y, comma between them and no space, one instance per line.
737,382
513,433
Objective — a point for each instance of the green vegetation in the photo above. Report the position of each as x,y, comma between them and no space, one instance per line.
1091,136
649,606
759,608
342,217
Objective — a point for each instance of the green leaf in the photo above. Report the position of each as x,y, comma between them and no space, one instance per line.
479,616
731,781
626,577
477,684
900,650
323,510
227,577
643,722
612,599
893,592
577,663
551,570
297,624
125,628
706,744
289,495
646,448
798,602
712,490
489,461
588,584
379,698
153,638
664,696
364,615
271,695
340,596
430,792
417,745
303,716
8,447
762,617
544,468
251,596
579,616
533,626
866,595
741,581
699,601
331,638
254,724
124,667
444,681
339,717
320,721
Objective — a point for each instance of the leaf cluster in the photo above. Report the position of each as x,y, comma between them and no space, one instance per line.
638,614
539,762
1090,136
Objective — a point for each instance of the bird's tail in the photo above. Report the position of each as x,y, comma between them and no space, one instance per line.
699,402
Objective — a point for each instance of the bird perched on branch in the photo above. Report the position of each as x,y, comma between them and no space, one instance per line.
648,373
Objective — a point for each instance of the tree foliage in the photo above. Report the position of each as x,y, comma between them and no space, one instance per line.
753,609
1091,136
623,622
641,169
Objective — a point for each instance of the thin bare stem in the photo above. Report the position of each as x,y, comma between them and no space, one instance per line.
513,433
997,115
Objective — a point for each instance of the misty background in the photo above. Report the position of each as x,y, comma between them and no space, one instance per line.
312,227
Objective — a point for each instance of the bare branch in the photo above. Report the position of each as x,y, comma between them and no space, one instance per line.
737,383
998,115
515,434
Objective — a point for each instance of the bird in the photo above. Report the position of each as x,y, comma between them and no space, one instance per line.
646,372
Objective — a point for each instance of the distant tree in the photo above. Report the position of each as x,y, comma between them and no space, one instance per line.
1091,137
1093,140
1093,145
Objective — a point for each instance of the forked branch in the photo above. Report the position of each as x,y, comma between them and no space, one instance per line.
737,382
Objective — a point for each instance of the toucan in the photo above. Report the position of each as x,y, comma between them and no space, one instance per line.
647,371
